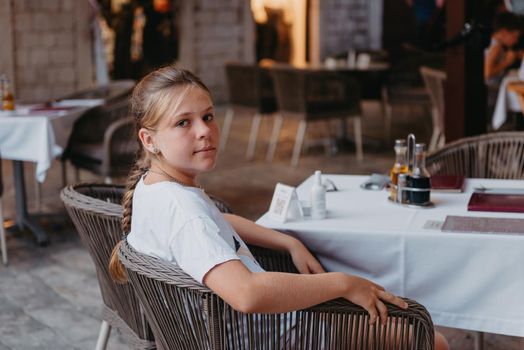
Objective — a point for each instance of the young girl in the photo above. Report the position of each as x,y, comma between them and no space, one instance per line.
172,217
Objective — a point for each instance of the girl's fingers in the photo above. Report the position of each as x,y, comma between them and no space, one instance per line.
393,299
383,311
372,314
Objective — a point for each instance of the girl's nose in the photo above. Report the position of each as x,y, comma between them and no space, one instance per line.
203,129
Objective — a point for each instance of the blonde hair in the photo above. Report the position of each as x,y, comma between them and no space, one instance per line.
152,98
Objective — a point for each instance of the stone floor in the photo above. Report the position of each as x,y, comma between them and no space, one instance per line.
49,297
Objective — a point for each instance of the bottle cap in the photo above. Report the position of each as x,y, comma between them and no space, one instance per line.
318,180
419,147
400,142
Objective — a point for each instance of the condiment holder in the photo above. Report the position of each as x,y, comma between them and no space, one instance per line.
413,188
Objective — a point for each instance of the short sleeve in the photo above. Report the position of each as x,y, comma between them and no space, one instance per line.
198,247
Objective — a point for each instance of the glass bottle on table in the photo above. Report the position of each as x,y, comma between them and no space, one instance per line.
420,177
8,99
399,167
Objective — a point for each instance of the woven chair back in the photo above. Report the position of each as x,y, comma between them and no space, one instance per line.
85,148
493,156
185,314
250,86
112,91
316,93
96,213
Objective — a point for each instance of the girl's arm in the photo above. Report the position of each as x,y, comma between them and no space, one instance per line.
261,236
275,292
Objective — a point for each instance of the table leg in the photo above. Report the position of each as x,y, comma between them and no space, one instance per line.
23,219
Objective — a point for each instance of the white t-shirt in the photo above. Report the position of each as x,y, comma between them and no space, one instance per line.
182,225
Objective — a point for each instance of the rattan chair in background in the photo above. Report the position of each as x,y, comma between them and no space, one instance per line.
310,95
3,243
103,141
250,91
96,213
112,91
494,156
434,80
185,314
404,86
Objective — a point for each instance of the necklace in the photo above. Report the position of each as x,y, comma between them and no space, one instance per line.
172,178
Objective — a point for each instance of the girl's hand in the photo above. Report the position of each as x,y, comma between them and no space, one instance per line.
304,261
511,56
371,297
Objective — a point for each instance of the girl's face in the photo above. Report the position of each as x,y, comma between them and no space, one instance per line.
186,137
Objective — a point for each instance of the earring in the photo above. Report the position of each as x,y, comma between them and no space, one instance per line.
155,150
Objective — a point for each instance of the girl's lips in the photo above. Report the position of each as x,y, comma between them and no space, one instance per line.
205,149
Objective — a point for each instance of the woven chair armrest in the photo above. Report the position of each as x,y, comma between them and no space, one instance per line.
108,137
340,305
72,196
273,260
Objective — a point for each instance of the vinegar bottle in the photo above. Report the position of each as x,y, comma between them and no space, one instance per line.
8,100
318,198
399,167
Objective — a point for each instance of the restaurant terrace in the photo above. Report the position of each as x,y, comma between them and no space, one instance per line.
414,124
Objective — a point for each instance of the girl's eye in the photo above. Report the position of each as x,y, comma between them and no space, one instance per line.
183,123
209,117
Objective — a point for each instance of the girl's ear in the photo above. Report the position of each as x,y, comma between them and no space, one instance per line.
147,140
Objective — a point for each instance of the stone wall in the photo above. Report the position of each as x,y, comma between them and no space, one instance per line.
50,48
349,24
212,33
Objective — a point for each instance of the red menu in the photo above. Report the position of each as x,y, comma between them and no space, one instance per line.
496,202
447,183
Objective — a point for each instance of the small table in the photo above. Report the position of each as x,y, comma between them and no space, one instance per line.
518,88
507,99
37,135
466,280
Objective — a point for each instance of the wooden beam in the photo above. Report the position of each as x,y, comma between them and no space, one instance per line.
465,113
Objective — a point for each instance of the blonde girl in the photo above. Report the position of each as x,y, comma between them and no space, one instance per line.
167,215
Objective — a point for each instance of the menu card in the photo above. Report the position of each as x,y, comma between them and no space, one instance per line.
447,183
499,202
483,225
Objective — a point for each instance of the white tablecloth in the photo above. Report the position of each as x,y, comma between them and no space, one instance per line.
506,101
466,280
37,136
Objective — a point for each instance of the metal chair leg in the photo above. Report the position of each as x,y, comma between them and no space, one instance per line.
103,336
299,140
255,125
273,141
357,125
479,341
226,128
3,243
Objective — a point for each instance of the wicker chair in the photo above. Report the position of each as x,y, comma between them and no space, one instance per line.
434,81
314,95
3,244
184,314
96,213
103,141
404,86
250,89
112,91
495,156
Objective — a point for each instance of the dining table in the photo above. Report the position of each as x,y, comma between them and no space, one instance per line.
466,278
37,133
